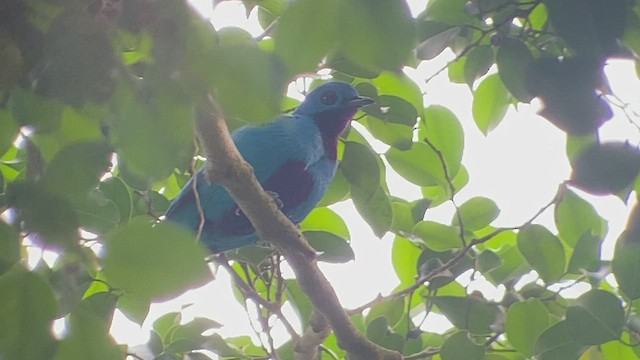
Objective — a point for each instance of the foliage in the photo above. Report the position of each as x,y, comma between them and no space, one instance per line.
96,136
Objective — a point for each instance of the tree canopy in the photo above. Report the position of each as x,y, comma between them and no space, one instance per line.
101,124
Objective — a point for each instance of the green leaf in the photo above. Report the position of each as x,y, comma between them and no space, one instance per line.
440,194
435,37
58,227
135,308
438,237
88,338
488,260
402,218
76,169
596,317
152,137
626,268
468,313
337,191
526,320
606,168
9,247
444,131
31,109
575,217
148,251
27,308
381,37
331,247
586,255
461,346
419,165
309,25
404,257
543,251
556,343
476,213
376,209
325,219
299,301
513,60
452,12
490,103
456,70
400,85
392,311
360,166
479,60
8,131
165,324
116,190
398,136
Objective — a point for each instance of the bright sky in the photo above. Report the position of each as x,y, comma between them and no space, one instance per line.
519,165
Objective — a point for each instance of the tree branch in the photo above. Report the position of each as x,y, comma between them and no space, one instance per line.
225,166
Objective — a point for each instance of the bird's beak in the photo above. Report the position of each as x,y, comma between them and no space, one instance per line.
361,101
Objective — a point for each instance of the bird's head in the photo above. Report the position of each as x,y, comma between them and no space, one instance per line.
334,97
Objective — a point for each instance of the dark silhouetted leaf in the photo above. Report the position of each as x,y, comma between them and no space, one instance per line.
513,60
479,60
606,168
467,313
331,247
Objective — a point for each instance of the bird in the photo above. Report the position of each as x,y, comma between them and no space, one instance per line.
294,157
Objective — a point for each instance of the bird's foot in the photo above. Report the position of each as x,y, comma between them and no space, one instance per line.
276,199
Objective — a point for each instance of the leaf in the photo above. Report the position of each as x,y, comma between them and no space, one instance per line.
556,343
479,60
152,137
435,37
325,219
438,237
148,251
376,209
444,131
116,190
27,309
589,27
467,313
381,37
9,247
487,261
575,217
513,59
490,103
626,268
88,338
439,194
596,317
331,247
526,320
543,251
135,308
44,213
8,131
452,12
392,311
396,135
31,109
308,25
586,255
360,167
76,169
400,85
460,346
419,165
299,301
404,257
606,168
476,213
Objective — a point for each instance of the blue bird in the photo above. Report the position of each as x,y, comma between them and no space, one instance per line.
293,157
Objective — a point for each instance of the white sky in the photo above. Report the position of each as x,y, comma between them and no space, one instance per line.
519,165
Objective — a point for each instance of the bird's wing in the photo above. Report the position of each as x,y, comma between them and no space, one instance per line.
283,148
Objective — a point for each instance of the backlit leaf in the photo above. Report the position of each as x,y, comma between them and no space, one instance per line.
476,213
596,317
543,251
490,103
526,320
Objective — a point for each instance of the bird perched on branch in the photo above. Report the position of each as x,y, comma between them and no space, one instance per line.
294,158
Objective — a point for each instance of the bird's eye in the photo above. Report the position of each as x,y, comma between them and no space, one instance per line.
329,97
